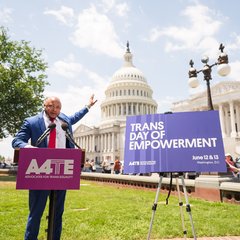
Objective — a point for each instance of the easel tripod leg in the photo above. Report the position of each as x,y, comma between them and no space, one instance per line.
154,207
181,209
188,208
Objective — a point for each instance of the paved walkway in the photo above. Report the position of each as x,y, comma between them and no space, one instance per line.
209,238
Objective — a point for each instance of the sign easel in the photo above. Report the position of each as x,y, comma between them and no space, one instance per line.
174,143
188,208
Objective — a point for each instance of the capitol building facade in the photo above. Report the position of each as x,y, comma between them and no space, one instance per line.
127,94
226,100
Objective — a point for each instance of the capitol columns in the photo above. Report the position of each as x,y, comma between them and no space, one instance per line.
222,120
101,143
232,117
105,142
238,119
113,143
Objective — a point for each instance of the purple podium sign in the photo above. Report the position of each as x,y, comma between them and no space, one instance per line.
177,142
49,169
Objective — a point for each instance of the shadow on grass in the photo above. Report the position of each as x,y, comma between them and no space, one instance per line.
11,178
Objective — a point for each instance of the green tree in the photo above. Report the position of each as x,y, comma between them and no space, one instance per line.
2,158
22,82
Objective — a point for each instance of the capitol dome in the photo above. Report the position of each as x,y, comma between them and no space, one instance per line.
128,71
128,93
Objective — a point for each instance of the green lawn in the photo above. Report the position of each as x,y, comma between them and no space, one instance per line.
100,211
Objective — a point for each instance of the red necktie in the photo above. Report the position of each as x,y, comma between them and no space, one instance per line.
52,137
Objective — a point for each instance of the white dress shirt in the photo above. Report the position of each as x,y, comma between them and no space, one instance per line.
60,136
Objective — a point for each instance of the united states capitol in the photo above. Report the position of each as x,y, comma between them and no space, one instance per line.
129,93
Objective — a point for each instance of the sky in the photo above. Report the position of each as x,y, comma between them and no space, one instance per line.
84,41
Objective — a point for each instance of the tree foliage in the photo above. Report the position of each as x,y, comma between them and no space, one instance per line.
22,82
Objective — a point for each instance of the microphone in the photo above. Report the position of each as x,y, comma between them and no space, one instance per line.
68,134
50,127
70,138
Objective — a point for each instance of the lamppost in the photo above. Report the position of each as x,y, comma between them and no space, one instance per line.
223,69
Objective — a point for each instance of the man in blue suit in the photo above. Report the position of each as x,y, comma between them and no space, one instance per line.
32,129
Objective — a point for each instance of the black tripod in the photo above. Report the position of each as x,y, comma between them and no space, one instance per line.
188,208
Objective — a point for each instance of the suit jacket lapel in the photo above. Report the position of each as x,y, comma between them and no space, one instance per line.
42,126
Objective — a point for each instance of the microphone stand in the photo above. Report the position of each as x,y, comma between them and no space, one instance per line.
53,193
68,136
52,196
52,202
51,214
70,139
50,127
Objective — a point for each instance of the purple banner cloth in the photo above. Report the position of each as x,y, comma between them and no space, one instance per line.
49,169
177,142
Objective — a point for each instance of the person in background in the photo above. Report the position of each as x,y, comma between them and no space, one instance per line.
106,166
117,166
93,165
87,166
32,128
237,162
3,164
231,165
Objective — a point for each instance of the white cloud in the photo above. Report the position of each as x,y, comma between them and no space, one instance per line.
95,31
98,80
65,15
107,5
164,105
67,68
75,97
199,36
120,9
6,149
6,15
235,71
235,44
154,34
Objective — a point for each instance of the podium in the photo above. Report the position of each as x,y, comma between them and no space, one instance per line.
49,169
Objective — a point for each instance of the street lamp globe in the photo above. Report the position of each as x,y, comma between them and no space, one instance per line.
193,82
223,69
205,59
192,73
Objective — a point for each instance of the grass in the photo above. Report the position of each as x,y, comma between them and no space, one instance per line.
101,211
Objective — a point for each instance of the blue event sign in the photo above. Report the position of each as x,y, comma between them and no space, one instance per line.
175,142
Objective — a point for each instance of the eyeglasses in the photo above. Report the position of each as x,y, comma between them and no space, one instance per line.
53,107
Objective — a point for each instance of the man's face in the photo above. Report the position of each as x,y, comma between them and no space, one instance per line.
52,107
